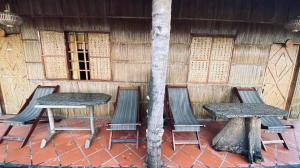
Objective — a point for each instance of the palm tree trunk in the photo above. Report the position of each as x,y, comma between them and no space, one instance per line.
161,18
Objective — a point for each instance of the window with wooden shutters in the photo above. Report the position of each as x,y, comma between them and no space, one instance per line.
210,59
78,55
54,54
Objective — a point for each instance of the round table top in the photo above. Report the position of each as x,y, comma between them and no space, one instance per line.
235,110
74,99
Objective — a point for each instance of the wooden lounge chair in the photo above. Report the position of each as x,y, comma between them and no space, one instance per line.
126,115
28,114
270,124
179,104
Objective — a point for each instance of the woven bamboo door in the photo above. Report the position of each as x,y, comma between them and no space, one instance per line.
279,73
13,76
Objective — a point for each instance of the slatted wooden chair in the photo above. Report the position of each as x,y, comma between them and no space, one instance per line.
126,115
28,114
270,124
179,104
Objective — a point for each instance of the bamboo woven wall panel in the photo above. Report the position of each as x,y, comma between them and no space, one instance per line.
221,49
131,32
99,45
250,54
131,72
201,48
133,53
279,73
177,73
180,35
179,53
35,71
246,75
218,72
32,49
202,94
198,71
53,43
28,30
55,67
100,68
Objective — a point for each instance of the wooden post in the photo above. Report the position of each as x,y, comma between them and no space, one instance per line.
161,18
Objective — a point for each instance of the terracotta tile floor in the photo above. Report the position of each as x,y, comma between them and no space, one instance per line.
67,149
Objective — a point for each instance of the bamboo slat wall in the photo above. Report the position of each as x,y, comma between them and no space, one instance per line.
130,48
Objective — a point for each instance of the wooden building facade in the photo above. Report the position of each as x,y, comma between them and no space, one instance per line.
97,45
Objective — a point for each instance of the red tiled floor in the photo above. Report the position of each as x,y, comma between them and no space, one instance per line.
128,158
210,159
98,158
67,148
69,158
52,162
182,159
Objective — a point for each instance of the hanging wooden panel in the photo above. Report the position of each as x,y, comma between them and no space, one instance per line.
279,73
53,43
13,78
201,48
99,44
198,71
100,68
210,59
55,67
218,72
221,49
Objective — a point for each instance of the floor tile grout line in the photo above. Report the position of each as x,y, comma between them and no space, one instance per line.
114,157
174,152
296,140
223,160
202,151
111,156
141,157
78,146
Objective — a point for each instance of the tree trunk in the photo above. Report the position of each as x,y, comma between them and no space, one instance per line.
161,18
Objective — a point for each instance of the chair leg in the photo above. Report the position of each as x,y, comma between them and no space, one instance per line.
281,138
198,138
32,128
5,133
173,140
110,137
137,138
263,145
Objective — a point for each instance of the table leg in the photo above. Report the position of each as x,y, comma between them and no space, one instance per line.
254,137
94,130
241,136
52,132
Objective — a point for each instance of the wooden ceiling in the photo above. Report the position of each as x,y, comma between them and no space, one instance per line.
254,11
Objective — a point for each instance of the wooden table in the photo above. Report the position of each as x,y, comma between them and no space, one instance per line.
71,100
242,133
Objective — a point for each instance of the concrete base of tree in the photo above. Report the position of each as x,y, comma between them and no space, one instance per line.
242,136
